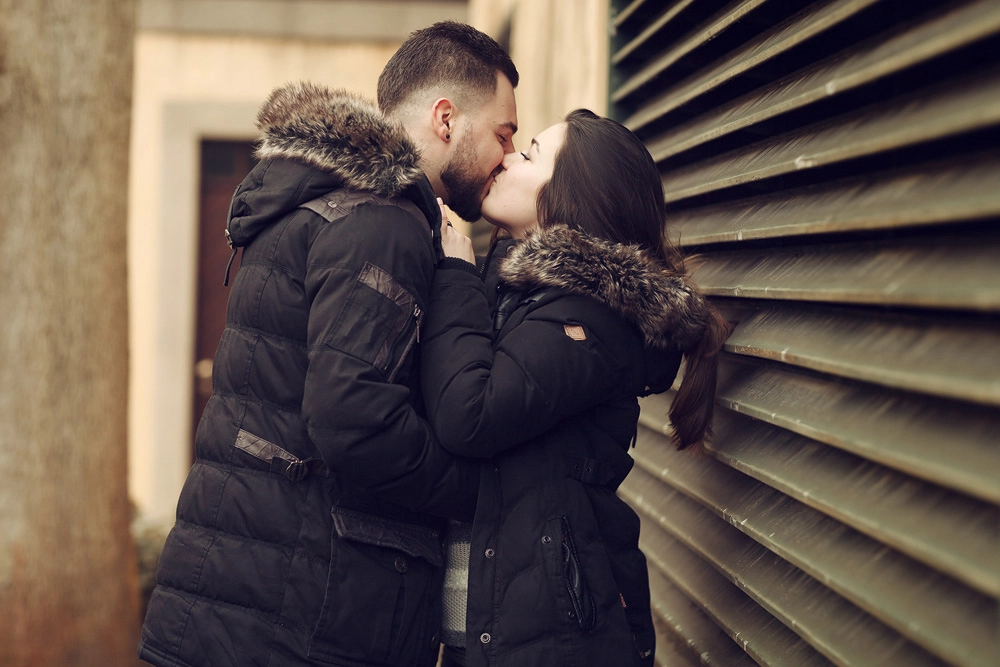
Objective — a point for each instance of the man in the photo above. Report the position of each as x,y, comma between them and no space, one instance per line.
309,529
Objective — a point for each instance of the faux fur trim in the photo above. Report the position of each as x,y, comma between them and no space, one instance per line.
663,304
338,132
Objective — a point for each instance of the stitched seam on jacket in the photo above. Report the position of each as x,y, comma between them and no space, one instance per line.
247,400
286,551
169,659
252,611
270,335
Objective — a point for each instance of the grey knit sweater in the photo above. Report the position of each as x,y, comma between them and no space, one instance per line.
456,583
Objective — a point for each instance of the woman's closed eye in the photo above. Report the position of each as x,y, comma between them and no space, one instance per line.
524,155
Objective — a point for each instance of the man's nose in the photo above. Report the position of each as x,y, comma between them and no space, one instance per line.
507,160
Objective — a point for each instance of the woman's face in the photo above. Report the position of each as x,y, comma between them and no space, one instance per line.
510,204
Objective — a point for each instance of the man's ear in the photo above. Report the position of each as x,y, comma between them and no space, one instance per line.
443,116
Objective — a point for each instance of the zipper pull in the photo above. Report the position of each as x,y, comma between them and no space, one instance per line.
418,314
229,240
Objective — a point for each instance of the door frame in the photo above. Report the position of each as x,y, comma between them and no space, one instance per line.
162,256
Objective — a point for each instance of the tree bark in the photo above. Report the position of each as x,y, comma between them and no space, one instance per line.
68,581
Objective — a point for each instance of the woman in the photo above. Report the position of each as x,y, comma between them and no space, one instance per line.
535,369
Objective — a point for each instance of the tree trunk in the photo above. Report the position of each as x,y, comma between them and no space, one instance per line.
68,582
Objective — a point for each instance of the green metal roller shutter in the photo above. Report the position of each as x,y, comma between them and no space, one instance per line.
835,166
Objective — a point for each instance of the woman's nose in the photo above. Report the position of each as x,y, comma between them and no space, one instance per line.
508,159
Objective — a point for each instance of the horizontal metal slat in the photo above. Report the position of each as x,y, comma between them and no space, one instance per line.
949,273
626,13
902,434
900,431
955,191
764,638
841,631
769,45
840,73
949,532
650,30
729,16
948,357
899,591
967,105
703,638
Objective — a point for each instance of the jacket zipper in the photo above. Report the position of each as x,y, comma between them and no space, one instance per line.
414,338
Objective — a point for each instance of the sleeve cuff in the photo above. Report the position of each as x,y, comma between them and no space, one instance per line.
460,264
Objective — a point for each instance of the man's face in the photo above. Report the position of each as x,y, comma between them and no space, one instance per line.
487,135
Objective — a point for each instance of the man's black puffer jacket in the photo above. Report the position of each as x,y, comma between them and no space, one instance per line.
309,529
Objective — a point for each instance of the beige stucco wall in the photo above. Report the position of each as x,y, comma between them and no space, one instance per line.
560,48
190,87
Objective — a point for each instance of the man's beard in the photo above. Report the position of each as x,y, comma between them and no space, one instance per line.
465,187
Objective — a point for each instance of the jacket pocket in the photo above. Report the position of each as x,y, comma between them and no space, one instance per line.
572,578
380,323
382,600
414,540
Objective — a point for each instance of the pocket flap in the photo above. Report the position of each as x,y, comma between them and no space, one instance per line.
413,540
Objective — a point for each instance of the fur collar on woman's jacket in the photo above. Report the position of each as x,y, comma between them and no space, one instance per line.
340,133
663,304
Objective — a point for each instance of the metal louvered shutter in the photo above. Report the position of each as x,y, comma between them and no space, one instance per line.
836,167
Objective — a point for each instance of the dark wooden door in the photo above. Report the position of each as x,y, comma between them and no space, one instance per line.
224,164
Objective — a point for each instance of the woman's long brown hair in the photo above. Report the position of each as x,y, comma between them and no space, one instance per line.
606,185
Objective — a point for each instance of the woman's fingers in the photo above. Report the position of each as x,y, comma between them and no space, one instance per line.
456,244
444,213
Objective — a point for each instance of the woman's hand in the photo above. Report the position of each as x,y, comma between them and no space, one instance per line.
453,243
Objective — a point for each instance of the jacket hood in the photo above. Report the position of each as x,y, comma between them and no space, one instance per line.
315,140
340,133
662,304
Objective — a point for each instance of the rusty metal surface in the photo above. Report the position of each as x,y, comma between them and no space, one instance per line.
836,75
842,632
961,105
909,596
953,192
951,272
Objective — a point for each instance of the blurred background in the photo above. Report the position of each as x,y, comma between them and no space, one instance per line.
834,165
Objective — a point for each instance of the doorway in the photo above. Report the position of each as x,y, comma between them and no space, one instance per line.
224,165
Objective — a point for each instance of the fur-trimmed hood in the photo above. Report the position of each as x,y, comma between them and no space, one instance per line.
341,133
663,304
314,140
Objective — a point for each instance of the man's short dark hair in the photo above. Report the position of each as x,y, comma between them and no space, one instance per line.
449,53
